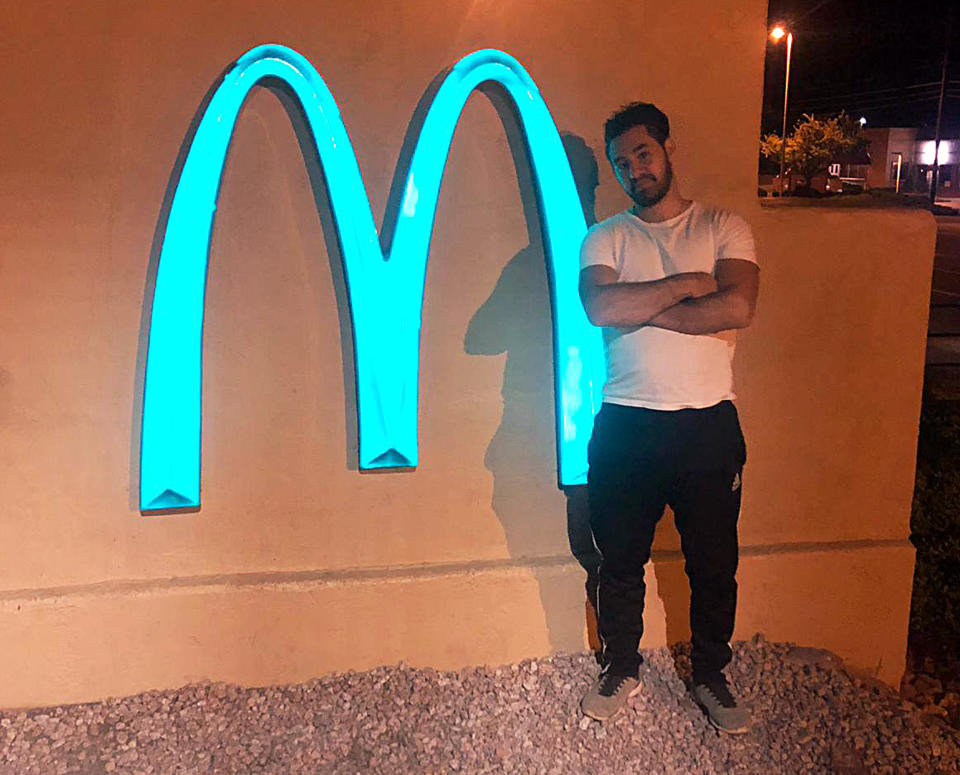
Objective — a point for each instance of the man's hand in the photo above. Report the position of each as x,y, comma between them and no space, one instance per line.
609,302
730,306
698,283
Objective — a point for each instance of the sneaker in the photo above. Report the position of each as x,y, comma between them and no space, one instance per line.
721,707
609,694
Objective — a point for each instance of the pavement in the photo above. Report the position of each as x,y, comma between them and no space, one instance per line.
943,334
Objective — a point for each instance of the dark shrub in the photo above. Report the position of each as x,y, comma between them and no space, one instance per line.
935,527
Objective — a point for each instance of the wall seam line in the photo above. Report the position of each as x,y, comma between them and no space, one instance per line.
388,574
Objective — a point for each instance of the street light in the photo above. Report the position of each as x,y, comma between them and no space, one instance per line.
777,33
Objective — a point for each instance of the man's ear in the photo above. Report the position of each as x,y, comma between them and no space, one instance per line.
669,146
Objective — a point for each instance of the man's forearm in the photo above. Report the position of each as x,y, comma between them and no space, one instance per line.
720,311
623,305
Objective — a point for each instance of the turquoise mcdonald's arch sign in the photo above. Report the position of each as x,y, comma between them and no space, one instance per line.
385,292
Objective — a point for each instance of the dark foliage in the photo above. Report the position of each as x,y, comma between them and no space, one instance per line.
935,530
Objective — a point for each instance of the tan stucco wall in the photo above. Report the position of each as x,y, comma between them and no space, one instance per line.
297,564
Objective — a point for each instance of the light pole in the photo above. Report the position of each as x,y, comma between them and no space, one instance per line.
943,84
777,33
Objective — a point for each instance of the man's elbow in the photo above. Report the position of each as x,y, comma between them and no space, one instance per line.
741,312
597,316
596,313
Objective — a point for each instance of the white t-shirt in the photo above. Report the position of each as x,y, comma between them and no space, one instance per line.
652,367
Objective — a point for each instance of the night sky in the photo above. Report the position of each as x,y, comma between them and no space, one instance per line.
875,58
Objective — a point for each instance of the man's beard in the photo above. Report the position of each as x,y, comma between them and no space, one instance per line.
648,197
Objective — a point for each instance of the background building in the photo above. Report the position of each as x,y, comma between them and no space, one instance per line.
915,153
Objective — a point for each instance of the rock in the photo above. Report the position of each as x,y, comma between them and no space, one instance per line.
513,719
866,678
805,655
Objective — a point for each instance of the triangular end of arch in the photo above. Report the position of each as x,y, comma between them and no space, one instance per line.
391,458
169,500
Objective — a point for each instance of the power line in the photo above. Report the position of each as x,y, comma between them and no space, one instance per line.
817,7
821,96
860,92
870,98
868,93
888,99
899,94
860,107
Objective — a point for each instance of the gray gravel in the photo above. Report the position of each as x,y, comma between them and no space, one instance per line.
810,716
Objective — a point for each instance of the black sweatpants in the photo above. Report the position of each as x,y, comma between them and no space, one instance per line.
640,461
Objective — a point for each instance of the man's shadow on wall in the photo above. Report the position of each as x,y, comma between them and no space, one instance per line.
515,319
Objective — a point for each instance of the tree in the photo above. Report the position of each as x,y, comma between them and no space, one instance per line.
814,144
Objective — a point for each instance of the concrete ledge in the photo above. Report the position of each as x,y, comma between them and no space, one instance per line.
85,643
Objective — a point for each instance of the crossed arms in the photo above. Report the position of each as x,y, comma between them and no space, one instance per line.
689,302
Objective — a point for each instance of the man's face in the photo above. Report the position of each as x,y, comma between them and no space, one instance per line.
642,165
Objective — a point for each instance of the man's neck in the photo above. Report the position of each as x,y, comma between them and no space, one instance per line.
669,207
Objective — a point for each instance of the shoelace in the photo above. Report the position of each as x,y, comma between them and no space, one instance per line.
721,693
610,684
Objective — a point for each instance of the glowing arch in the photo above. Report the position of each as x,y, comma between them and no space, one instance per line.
385,292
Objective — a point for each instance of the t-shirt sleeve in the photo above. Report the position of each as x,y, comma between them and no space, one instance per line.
597,249
735,239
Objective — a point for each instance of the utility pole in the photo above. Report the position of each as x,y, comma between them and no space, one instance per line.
943,85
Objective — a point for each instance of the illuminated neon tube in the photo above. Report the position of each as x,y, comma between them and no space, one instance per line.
385,292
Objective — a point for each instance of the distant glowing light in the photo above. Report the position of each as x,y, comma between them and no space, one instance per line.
385,292
777,32
863,120
930,148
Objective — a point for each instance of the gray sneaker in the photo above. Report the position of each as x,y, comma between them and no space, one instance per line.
608,694
721,707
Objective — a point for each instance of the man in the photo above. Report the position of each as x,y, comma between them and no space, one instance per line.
668,280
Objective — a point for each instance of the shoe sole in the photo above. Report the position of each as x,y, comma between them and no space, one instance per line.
737,731
633,692
715,725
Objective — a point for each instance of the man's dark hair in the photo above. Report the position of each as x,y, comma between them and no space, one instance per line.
637,114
